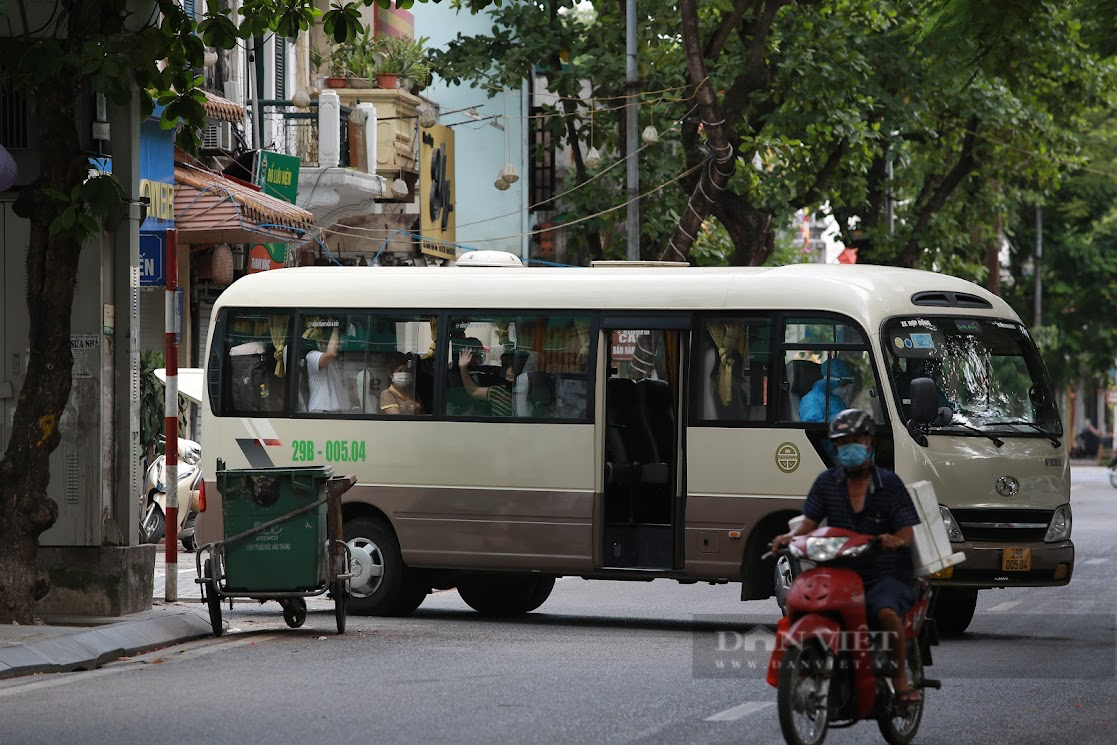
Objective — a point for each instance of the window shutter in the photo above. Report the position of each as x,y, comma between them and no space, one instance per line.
280,68
188,6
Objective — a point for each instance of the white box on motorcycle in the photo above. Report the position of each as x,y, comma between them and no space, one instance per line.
932,551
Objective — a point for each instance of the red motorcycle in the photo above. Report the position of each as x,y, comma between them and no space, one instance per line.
830,668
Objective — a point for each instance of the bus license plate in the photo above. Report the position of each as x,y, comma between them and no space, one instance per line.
1017,559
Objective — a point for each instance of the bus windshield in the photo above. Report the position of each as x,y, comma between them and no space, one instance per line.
988,372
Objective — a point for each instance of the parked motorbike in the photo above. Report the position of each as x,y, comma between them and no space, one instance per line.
829,668
191,490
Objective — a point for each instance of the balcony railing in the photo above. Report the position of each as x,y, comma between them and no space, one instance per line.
293,131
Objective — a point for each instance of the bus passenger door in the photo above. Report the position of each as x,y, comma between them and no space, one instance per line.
642,499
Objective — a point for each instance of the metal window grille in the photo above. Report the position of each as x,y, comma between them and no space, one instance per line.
13,119
542,171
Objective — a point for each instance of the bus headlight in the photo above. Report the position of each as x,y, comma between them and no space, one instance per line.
953,532
1059,529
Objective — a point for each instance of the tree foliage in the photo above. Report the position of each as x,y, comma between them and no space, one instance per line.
810,102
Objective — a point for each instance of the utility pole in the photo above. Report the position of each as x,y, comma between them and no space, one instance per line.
170,409
1038,319
632,125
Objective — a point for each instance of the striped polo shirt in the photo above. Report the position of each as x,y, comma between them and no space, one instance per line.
888,508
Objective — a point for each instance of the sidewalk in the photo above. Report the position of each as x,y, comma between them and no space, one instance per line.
64,644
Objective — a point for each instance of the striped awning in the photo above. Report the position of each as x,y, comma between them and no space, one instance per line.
222,109
212,208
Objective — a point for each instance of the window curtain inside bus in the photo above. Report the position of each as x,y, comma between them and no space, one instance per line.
727,337
277,326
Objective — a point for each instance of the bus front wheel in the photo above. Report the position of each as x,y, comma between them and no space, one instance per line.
381,585
505,595
954,609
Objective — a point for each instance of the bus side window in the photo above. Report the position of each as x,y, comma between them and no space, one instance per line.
531,367
733,364
256,350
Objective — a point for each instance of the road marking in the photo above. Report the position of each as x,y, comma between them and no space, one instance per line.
1094,561
1005,606
742,710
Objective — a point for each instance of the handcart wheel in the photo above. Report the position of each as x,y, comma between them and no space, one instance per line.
294,612
341,601
212,600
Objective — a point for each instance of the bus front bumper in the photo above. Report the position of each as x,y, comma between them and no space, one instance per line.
1049,564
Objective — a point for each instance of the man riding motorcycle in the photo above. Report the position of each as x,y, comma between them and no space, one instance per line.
858,496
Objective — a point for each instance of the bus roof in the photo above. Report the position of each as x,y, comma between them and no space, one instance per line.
865,292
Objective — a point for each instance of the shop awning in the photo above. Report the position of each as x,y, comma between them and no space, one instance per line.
222,109
211,208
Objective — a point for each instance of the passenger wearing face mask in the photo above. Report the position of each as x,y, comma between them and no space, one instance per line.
831,394
857,495
399,397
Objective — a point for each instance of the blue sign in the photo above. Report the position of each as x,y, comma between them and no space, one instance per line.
157,185
153,260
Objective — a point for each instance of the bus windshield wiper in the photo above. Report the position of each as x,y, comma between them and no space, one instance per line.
1055,441
996,440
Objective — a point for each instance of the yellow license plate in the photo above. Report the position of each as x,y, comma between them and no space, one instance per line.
1017,559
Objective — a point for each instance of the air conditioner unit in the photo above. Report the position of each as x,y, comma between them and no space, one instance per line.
218,136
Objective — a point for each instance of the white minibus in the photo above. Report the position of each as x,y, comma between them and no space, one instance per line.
511,425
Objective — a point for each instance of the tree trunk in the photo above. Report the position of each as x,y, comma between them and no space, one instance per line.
52,265
750,229
721,164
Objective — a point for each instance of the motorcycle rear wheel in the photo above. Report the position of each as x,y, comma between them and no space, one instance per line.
802,698
901,730
1113,476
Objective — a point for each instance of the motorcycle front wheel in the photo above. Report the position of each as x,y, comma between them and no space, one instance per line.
153,524
901,723
802,698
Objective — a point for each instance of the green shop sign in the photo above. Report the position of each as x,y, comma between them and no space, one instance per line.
278,175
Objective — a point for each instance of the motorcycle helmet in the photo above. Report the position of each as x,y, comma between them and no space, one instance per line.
851,422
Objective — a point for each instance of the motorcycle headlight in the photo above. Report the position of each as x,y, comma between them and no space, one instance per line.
1059,529
953,532
825,549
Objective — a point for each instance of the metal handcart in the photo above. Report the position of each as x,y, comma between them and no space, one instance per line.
283,541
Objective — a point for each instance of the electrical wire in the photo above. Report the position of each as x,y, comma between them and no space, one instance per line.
350,229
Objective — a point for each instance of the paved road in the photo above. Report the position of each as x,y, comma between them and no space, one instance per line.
601,662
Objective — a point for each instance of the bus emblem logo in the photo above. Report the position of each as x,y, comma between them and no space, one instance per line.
787,457
1007,486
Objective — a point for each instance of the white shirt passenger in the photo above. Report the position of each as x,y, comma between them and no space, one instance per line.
327,389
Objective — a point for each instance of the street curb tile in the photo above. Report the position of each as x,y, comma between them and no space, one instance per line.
87,649
24,659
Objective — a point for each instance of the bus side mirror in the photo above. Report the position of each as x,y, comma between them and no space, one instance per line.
924,400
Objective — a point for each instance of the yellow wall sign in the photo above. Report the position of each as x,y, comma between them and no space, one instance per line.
437,192
161,198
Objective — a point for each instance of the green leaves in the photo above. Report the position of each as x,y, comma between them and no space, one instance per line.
79,214
342,22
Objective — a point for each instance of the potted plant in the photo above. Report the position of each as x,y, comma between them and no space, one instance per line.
317,59
339,68
359,59
400,57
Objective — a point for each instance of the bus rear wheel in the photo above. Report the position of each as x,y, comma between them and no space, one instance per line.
505,595
382,584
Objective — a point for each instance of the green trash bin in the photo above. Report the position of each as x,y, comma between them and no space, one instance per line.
289,556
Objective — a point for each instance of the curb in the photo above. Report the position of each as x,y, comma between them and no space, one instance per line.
88,649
